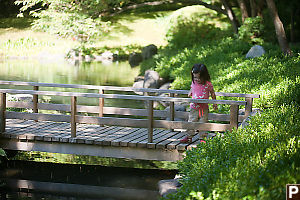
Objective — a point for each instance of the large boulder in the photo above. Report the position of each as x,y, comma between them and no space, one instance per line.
138,84
255,51
149,51
151,79
135,59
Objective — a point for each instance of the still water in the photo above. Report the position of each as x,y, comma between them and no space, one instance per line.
45,180
57,70
48,181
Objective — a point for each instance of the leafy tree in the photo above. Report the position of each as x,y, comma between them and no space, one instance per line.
86,17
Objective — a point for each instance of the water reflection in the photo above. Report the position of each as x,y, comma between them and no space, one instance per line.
61,181
94,73
62,72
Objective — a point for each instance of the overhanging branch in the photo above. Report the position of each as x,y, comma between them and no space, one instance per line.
117,11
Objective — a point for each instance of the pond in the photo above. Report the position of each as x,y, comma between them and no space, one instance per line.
48,181
57,70
21,179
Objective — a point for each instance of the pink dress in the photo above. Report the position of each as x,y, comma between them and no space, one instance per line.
200,91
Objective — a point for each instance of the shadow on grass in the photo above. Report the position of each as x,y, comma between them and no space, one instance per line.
18,23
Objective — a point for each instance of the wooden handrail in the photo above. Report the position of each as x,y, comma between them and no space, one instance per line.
120,96
114,88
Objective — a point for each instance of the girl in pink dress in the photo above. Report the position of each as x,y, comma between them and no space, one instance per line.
201,88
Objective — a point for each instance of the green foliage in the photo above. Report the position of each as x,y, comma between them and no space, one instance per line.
252,163
258,161
192,28
229,69
67,18
252,30
80,27
2,153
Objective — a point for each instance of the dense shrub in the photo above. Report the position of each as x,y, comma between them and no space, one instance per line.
258,161
253,163
252,30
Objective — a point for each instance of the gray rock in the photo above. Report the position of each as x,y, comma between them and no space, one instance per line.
149,51
165,86
20,97
138,84
169,186
255,51
135,59
151,79
246,121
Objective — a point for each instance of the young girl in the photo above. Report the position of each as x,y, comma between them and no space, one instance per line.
201,88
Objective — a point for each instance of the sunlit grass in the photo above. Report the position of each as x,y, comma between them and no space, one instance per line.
29,43
134,28
137,29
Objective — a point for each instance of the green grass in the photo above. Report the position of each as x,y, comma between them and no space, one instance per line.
18,39
134,28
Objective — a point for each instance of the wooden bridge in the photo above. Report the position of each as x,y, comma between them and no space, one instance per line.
121,132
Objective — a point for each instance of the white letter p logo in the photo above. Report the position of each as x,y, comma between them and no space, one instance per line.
293,190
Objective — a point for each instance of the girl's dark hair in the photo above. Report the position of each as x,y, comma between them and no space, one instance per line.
200,68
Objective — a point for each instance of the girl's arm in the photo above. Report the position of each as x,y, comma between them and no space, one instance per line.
190,93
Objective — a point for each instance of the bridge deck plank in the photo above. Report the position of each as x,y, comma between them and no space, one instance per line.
31,130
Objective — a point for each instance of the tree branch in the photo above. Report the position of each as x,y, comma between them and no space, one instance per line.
117,11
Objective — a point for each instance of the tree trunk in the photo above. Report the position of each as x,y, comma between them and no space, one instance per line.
244,11
230,14
253,8
292,35
280,32
260,7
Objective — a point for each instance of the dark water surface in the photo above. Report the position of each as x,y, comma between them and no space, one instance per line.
35,180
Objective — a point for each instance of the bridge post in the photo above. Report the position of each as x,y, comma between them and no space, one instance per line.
248,107
35,98
2,112
172,109
101,104
234,114
150,121
73,115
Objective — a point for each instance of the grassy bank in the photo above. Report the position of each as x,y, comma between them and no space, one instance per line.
252,163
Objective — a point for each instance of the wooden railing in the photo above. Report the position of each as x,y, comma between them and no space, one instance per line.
102,89
150,122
